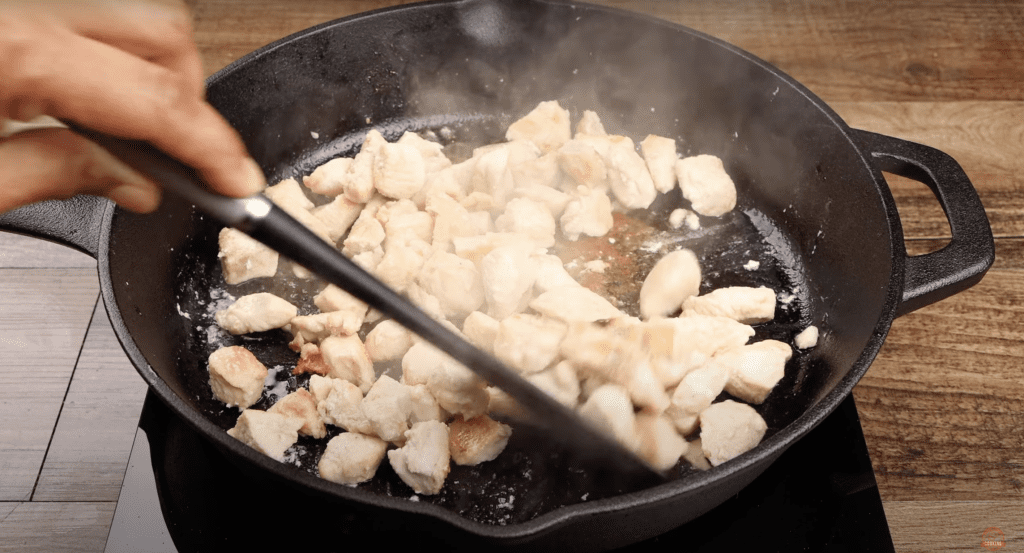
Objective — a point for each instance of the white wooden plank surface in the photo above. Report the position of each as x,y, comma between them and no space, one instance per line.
44,314
40,526
21,251
93,438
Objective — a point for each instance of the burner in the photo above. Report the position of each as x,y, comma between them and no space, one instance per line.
820,495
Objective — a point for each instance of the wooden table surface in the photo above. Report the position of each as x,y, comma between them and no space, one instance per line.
942,407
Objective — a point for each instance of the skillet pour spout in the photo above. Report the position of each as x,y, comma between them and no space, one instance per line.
814,208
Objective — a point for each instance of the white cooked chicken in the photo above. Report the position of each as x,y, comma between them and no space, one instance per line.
547,126
807,338
269,433
388,340
388,407
423,462
675,277
236,376
590,213
257,312
348,360
351,458
745,304
705,183
660,155
755,369
243,258
328,179
575,304
528,343
340,403
301,404
454,281
729,429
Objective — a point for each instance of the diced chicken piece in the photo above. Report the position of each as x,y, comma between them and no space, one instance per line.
441,183
432,153
311,361
338,216
629,178
694,394
610,409
706,184
547,126
529,218
457,389
503,405
600,352
481,330
507,274
332,298
480,201
528,343
590,213
492,174
329,179
451,220
454,281
423,462
474,248
301,404
679,217
406,227
675,277
729,429
660,444
660,155
590,124
575,304
388,406
584,166
366,234
358,184
708,334
236,376
269,433
340,403
288,195
369,260
398,171
605,143
244,258
541,172
401,263
477,440
388,340
373,142
743,303
554,200
351,458
807,338
424,405
348,360
551,274
560,382
256,313
695,455
755,369
315,328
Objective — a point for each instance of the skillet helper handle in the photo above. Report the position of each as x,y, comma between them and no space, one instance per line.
963,262
76,222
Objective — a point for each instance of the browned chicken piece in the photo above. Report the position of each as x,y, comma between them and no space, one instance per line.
476,440
311,361
236,376
301,404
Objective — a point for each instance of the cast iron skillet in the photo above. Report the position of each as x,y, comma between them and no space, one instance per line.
814,209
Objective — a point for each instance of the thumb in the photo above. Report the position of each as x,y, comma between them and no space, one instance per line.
56,163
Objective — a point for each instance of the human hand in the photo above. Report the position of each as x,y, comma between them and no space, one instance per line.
127,68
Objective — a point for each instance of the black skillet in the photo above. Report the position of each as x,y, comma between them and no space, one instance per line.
814,209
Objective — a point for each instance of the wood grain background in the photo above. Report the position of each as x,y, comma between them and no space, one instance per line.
942,407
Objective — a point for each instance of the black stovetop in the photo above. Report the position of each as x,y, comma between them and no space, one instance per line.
820,496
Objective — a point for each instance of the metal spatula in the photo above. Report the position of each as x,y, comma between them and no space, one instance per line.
258,217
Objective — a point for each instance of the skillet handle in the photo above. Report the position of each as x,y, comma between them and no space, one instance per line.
76,222
971,251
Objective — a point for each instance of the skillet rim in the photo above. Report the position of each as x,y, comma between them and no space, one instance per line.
756,460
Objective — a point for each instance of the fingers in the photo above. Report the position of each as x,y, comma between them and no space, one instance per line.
133,84
57,163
